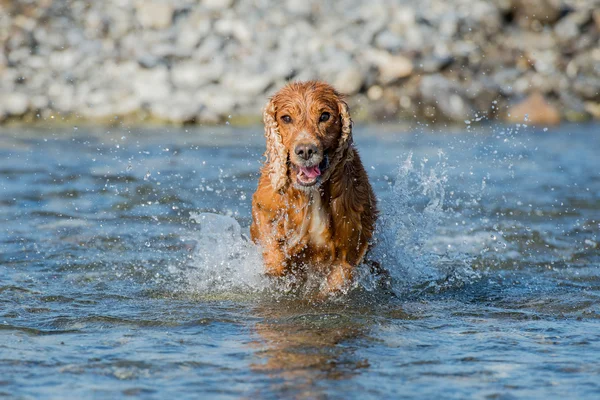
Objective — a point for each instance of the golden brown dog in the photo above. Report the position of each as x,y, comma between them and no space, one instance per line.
314,210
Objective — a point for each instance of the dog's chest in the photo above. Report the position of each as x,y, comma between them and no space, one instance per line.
318,222
308,228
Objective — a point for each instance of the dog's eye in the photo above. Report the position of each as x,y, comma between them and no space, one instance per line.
286,119
324,117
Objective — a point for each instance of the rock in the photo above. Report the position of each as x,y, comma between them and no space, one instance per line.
64,60
154,14
246,84
543,11
234,28
215,101
194,74
432,63
62,97
391,68
588,87
596,16
447,96
349,81
193,29
209,47
39,102
15,104
593,109
335,63
152,84
149,61
127,104
572,107
487,16
281,67
389,41
179,108
534,110
301,8
569,28
217,5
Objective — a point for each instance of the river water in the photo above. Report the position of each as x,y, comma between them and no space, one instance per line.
125,269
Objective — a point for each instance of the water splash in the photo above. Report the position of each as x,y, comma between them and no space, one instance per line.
225,260
409,220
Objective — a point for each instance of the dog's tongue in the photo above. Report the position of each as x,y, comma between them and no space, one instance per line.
311,172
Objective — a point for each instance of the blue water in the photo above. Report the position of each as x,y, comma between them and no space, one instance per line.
118,278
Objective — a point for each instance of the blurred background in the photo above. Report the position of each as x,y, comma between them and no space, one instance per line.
210,61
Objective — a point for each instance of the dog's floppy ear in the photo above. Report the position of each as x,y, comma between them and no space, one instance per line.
276,153
346,138
344,151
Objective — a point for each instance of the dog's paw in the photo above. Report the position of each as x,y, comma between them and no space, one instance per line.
338,281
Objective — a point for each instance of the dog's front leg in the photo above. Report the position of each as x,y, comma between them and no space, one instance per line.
275,260
267,232
339,278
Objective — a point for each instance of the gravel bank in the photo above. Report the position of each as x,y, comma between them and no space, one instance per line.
183,61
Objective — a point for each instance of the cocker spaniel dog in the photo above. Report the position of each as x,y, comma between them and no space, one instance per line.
314,210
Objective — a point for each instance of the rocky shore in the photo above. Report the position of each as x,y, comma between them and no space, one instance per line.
184,61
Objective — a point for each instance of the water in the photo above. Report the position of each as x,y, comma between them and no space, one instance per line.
117,278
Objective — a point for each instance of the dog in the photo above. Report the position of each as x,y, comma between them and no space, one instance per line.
314,210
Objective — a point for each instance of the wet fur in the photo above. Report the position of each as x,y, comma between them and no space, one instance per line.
324,229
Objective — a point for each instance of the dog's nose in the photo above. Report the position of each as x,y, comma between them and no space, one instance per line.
305,150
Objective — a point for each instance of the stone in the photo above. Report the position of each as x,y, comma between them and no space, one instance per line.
217,5
246,84
593,109
208,48
389,41
179,108
62,96
596,16
39,102
215,101
446,96
193,29
149,61
349,80
15,103
152,84
301,8
127,104
64,60
432,63
391,67
375,93
588,87
572,107
154,14
569,27
234,28
534,110
194,74
544,11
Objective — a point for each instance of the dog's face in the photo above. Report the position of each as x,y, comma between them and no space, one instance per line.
309,118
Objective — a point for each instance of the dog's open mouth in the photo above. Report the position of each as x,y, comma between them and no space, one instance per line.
308,176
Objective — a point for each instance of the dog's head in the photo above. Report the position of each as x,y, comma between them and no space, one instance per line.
309,132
